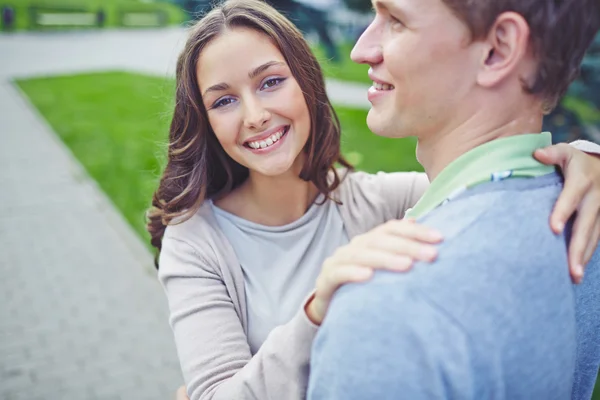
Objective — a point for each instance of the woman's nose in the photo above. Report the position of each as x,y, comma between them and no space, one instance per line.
256,115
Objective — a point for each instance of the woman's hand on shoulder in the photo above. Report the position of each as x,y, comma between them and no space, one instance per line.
393,246
580,197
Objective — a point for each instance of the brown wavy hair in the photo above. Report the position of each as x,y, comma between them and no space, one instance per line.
561,32
197,166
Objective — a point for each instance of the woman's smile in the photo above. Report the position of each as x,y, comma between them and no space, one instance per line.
269,141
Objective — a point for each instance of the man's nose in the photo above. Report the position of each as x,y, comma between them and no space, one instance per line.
367,49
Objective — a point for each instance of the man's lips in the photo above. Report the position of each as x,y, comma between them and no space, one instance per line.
380,84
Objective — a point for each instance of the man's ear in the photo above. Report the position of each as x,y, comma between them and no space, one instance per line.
506,48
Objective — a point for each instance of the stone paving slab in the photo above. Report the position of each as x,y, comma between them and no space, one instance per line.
82,316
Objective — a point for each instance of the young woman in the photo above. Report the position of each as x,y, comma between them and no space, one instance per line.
255,198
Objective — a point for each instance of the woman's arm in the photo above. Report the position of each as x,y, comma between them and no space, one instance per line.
212,345
390,194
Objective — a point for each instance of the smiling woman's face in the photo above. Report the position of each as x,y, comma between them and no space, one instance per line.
255,106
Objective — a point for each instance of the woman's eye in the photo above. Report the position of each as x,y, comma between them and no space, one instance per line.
269,83
223,102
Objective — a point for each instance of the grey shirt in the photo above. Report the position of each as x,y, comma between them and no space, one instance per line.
204,284
274,262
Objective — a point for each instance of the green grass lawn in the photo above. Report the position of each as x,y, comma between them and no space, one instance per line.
116,124
110,7
345,70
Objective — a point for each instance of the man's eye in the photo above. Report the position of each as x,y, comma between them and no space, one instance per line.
269,83
223,102
396,23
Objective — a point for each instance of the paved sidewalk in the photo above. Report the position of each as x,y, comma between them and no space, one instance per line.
83,316
149,51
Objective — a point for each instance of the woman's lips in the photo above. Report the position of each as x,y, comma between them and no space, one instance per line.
269,143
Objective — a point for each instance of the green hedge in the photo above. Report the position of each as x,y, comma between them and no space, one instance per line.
113,10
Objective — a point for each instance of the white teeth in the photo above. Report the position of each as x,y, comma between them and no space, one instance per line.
382,86
267,142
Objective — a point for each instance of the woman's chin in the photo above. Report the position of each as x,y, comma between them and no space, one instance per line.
275,168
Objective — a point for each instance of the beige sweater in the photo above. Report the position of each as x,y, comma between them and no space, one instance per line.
204,284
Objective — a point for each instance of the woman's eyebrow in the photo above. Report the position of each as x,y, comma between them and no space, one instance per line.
258,70
216,88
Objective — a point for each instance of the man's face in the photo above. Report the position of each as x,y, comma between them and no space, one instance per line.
423,64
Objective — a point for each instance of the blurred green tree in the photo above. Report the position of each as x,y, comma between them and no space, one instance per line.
359,5
578,114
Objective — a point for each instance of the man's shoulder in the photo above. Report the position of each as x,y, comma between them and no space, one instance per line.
498,210
497,292
497,245
499,233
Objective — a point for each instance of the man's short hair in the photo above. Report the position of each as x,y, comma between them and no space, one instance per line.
561,31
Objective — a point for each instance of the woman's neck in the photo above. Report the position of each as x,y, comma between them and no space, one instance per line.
271,200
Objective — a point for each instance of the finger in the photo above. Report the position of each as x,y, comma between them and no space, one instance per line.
375,258
412,230
582,231
371,257
329,281
181,394
592,243
400,246
558,154
573,192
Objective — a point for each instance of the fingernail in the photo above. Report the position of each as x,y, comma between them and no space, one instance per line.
428,253
579,272
404,263
559,226
435,235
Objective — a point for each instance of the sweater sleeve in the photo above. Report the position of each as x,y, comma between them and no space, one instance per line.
587,147
211,343
401,190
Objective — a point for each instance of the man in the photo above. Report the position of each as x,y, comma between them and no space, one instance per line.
495,316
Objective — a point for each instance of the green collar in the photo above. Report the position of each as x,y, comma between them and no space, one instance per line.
499,159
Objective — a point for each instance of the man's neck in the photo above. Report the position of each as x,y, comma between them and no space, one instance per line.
435,152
